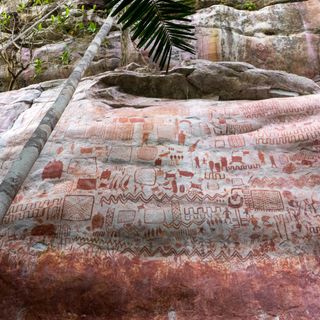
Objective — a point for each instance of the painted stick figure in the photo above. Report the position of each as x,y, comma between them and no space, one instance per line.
273,163
197,160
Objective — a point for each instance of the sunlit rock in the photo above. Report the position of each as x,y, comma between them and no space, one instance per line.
281,36
142,207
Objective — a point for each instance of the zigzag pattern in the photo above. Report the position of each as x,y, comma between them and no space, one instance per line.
114,199
272,182
177,225
114,244
221,257
160,251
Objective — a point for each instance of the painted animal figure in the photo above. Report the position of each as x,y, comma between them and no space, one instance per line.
170,175
187,174
237,159
196,186
307,163
105,174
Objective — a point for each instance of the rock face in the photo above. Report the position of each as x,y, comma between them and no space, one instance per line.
150,208
281,36
200,79
69,37
242,4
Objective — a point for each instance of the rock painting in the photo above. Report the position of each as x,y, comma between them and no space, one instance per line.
216,202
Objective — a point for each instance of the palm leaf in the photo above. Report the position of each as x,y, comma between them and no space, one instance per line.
159,25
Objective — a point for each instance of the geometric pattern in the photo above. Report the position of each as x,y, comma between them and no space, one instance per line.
77,208
266,200
236,141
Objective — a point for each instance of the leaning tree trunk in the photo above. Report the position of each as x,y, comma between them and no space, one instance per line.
21,167
125,49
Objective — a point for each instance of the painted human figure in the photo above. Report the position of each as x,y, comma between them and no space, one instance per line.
299,226
197,160
174,186
227,218
273,163
158,162
246,212
145,137
261,157
254,222
172,160
181,138
224,163
97,221
211,165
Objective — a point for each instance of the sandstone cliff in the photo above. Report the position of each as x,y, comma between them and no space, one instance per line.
145,205
279,35
186,196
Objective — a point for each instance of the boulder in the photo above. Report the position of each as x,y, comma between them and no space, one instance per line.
201,78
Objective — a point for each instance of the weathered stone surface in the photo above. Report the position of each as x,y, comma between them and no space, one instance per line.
282,36
108,58
242,4
163,209
201,78
55,39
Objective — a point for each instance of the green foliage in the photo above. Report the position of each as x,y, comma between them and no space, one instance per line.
65,57
67,12
57,20
21,7
38,66
157,24
41,2
4,20
53,19
249,5
60,19
39,26
79,26
92,27
85,25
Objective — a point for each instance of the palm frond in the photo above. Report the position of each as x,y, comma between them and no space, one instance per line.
157,24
